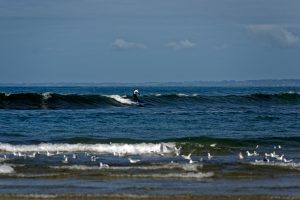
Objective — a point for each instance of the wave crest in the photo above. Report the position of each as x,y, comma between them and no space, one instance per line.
78,101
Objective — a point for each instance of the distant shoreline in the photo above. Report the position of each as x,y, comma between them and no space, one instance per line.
224,83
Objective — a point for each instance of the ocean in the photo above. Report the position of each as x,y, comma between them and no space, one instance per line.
182,142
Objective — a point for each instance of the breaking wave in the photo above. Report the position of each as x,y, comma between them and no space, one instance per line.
78,101
112,148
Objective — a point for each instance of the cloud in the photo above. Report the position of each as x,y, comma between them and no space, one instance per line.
120,43
275,35
183,44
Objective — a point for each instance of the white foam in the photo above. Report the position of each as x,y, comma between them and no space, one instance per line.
121,99
119,148
185,167
189,175
290,165
182,95
6,169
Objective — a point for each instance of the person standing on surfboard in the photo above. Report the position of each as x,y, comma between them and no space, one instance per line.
135,95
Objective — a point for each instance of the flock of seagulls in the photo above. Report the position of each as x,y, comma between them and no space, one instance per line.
267,157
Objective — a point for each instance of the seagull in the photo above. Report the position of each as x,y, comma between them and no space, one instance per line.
273,154
249,154
279,157
191,161
279,147
267,154
266,159
287,161
32,155
101,165
209,156
213,145
65,159
74,156
93,158
241,157
255,153
177,150
49,154
256,147
133,160
188,157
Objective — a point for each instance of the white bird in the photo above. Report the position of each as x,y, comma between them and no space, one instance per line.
279,157
188,157
32,155
241,157
133,160
266,159
249,154
177,150
65,160
49,154
93,158
287,161
279,147
191,161
255,153
201,159
213,145
74,156
256,147
101,165
209,156
273,154
267,154
275,147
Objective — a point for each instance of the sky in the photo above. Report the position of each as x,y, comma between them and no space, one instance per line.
100,41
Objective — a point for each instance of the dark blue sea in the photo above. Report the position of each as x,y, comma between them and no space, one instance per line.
176,141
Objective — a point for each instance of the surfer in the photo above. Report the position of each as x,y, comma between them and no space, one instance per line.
135,95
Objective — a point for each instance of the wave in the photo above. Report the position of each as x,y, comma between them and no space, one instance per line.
6,169
112,148
172,146
78,101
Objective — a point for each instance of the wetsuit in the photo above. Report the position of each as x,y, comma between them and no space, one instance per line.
135,95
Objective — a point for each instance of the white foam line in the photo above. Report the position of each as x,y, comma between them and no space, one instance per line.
121,99
291,165
185,167
189,175
141,148
182,95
